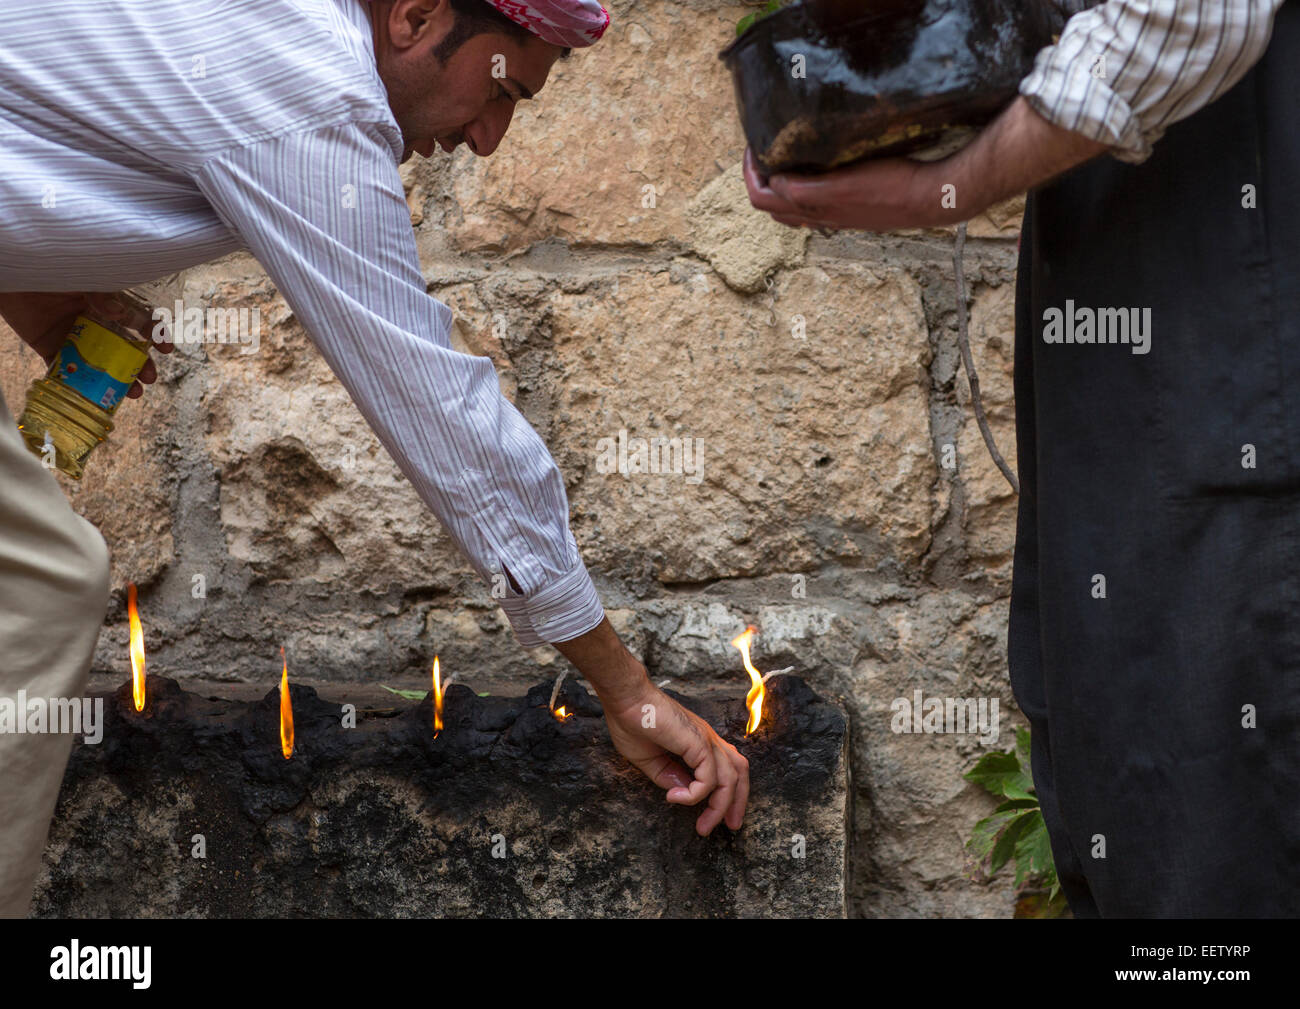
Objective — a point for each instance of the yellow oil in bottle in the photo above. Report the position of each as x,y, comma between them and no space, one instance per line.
69,411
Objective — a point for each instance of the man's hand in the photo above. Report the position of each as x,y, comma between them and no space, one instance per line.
1018,151
719,771
878,195
716,770
42,320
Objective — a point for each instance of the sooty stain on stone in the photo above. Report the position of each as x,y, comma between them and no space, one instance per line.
507,812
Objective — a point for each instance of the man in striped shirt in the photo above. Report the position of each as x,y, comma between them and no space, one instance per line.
1155,609
140,137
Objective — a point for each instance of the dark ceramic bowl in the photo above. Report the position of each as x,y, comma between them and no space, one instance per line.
881,77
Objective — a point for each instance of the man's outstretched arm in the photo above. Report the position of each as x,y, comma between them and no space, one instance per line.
1018,151
324,212
1120,74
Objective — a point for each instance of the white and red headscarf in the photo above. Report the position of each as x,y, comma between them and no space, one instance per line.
572,23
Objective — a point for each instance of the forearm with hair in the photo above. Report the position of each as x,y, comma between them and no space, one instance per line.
1017,152
604,661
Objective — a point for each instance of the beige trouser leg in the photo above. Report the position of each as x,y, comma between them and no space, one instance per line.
53,594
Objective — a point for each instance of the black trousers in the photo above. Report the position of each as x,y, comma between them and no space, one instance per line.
1155,610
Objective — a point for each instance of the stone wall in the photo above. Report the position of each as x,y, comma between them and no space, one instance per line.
607,260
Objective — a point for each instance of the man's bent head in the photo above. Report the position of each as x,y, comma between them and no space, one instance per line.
454,69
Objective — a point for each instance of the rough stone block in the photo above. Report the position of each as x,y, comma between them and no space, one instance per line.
507,812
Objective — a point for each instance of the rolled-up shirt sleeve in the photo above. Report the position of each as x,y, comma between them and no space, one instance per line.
1125,70
324,212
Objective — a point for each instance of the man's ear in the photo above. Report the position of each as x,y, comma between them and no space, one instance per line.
412,22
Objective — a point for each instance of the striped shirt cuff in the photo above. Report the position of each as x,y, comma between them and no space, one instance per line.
1062,89
1124,71
563,610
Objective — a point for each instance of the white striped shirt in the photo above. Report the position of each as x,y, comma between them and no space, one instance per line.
141,137
1125,70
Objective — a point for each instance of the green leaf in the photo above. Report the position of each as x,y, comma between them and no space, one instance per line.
748,20
486,693
1033,850
1000,773
410,695
1017,804
1022,749
985,833
1019,787
991,764
1006,846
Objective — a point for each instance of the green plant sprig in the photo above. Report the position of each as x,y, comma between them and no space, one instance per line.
747,22
1015,830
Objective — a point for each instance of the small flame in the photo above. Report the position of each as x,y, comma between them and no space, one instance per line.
437,698
286,710
137,648
754,699
560,713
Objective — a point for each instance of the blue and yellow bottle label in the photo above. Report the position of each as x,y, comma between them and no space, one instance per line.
98,364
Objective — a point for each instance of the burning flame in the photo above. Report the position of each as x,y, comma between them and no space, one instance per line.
754,699
437,698
286,710
137,648
560,713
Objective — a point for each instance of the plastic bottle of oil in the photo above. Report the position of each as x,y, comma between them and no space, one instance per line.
70,411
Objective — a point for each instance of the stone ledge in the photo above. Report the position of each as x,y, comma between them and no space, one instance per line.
384,820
